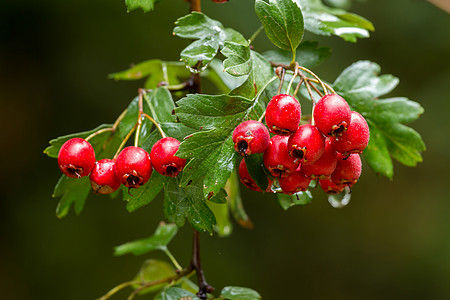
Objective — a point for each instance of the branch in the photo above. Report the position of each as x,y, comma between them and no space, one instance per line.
204,287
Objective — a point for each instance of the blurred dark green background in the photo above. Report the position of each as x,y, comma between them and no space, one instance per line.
391,242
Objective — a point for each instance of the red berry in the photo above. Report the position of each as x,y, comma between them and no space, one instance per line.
306,145
250,137
76,158
248,181
330,187
332,115
283,114
163,157
133,167
277,159
356,138
103,180
294,183
348,170
325,165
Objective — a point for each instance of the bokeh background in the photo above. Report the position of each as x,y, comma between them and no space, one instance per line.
391,242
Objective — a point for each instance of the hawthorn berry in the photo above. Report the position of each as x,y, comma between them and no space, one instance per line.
251,137
103,180
294,183
348,169
76,158
133,167
356,138
332,115
330,187
163,157
325,165
283,114
306,145
247,180
276,157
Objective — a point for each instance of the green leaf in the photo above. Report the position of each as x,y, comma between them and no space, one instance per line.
282,21
239,293
161,105
309,55
300,198
224,227
262,72
211,151
209,35
158,241
361,86
156,70
145,5
238,62
187,202
324,20
176,293
142,196
73,191
377,153
255,167
153,270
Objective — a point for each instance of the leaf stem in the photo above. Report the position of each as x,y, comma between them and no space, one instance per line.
163,135
172,258
292,79
255,34
183,273
98,132
125,140
315,76
117,288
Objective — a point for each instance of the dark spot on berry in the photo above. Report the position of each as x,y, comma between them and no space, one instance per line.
133,180
338,130
171,171
298,153
74,171
280,131
210,194
242,146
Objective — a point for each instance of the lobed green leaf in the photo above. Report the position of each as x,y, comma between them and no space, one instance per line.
153,270
361,86
136,198
187,202
176,293
73,191
145,5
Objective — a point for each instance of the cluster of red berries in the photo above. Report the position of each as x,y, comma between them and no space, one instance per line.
327,151
132,167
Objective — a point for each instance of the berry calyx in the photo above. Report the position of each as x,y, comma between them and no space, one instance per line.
103,180
356,138
330,187
306,145
332,115
163,157
247,180
133,167
276,157
250,137
348,170
325,165
76,158
283,114
294,183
